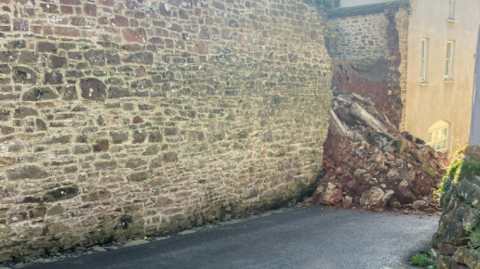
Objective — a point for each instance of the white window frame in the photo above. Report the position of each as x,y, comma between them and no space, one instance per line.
451,4
450,55
438,135
424,61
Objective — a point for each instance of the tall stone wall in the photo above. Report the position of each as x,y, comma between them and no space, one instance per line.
127,118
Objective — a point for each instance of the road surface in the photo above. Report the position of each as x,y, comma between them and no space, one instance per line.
301,238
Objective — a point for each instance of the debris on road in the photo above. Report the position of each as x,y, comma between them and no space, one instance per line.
371,165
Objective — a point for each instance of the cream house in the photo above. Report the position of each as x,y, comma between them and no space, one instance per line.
442,39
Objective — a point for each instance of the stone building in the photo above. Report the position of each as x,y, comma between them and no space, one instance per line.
132,118
415,59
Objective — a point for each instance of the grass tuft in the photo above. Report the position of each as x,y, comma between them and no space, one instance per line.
423,259
473,236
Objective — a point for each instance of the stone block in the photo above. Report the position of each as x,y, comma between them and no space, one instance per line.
24,75
23,112
119,137
27,172
135,163
106,165
60,194
93,89
138,35
99,195
139,176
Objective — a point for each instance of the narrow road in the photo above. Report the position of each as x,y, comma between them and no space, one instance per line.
303,238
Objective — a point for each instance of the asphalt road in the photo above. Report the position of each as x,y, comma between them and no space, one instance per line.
303,238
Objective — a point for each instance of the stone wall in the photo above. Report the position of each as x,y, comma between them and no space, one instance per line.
127,118
455,243
359,37
402,23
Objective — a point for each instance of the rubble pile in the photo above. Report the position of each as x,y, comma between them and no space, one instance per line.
371,165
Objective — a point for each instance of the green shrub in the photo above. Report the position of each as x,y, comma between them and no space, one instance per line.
422,260
467,168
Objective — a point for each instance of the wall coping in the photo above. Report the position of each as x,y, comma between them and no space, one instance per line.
362,10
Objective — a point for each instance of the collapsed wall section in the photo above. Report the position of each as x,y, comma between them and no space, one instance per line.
126,118
368,45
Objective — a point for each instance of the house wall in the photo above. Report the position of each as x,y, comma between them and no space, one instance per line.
128,118
438,100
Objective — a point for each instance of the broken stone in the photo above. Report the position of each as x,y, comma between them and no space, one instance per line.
386,197
393,174
359,172
335,125
372,197
421,204
402,146
366,118
417,155
98,249
405,195
430,170
376,157
332,194
387,149
135,243
347,201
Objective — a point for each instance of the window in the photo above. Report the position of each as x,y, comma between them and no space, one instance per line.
452,9
424,61
449,61
438,136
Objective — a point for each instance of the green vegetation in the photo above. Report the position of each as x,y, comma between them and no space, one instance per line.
467,166
29,259
473,236
423,259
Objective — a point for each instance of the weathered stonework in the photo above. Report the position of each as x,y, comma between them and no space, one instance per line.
402,23
359,37
128,118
